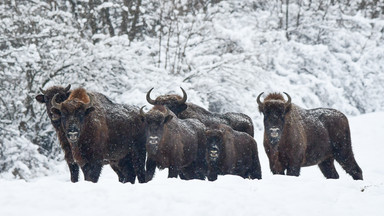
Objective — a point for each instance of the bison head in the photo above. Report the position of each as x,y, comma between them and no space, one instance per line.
214,144
174,102
155,121
274,109
47,96
72,113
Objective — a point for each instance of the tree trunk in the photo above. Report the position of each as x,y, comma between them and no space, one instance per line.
107,20
133,32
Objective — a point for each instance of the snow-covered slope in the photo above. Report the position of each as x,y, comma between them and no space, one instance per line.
309,194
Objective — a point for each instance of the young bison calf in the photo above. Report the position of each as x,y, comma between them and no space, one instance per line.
231,152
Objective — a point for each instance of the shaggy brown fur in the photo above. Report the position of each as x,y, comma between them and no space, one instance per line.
274,96
183,110
46,98
100,131
80,95
231,152
173,143
295,137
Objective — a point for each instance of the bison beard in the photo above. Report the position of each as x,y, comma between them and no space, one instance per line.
100,131
295,137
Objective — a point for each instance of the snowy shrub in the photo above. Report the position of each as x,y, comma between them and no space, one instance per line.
223,53
20,158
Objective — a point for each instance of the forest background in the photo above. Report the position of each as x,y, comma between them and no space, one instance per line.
324,53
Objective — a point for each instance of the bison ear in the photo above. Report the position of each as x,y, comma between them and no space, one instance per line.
40,98
89,110
168,118
183,107
288,108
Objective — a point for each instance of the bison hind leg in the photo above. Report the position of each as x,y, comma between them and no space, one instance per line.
92,171
255,172
188,173
342,151
328,169
350,165
344,156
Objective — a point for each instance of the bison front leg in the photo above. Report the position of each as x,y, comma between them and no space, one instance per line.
150,169
139,155
276,166
212,171
124,169
293,171
328,169
73,167
192,172
212,175
92,171
74,170
172,172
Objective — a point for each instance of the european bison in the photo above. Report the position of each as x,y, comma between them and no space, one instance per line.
174,143
62,95
183,110
100,131
231,152
295,137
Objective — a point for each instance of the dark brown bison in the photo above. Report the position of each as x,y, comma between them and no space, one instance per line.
295,137
183,110
62,95
100,131
231,152
174,143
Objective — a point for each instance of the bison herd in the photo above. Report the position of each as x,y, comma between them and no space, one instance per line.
190,141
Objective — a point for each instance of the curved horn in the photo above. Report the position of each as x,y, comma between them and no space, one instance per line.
90,103
150,101
184,99
289,99
142,113
258,99
67,88
167,113
54,103
42,90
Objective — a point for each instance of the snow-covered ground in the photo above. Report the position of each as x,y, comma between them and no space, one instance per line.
309,194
